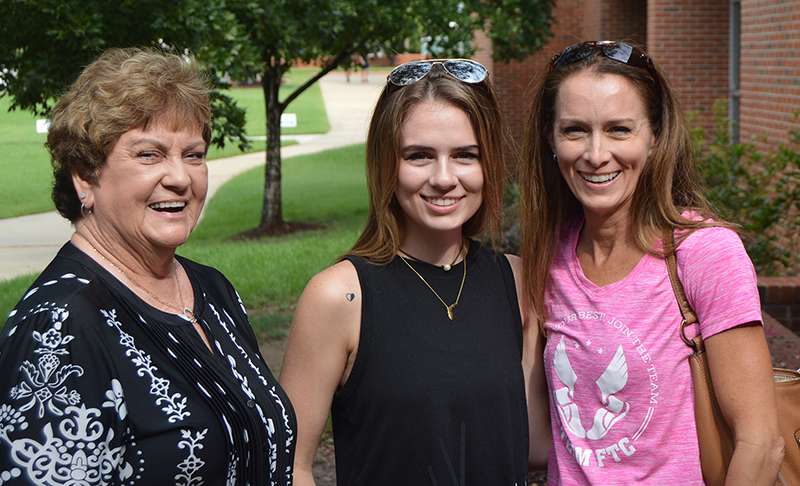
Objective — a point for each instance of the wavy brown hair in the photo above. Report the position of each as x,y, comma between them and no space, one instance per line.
122,90
668,186
383,232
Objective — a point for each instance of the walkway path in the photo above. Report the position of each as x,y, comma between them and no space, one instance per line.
28,243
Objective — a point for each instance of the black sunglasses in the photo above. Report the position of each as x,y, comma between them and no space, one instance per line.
610,49
462,69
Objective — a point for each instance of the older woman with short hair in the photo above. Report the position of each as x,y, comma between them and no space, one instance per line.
125,363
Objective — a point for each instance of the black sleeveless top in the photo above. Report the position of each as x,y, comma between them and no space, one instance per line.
432,401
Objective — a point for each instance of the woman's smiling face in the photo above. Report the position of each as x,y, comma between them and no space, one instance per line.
602,138
150,192
440,175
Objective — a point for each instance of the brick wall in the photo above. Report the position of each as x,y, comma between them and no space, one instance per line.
780,298
593,19
575,20
616,20
689,39
770,67
483,51
769,72
516,80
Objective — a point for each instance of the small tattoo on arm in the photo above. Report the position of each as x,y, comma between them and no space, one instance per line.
350,297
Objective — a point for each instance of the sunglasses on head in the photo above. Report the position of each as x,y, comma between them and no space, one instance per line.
610,49
462,69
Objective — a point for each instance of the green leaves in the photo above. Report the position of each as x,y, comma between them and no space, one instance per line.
759,190
227,121
44,44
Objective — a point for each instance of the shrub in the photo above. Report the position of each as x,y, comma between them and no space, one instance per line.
510,236
757,189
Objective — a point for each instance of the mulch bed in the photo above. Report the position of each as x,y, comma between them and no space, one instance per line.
282,229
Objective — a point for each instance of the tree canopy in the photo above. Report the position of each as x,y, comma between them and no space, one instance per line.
45,43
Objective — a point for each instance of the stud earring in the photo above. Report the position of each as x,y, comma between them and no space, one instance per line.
83,195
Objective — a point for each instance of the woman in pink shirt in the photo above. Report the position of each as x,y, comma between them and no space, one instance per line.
607,169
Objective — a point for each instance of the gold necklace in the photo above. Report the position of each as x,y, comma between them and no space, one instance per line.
449,307
185,312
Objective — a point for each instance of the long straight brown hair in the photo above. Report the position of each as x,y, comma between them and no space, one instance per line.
383,233
668,186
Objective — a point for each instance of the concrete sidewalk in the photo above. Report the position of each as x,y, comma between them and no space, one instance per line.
28,243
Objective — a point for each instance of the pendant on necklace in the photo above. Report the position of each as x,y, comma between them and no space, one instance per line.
188,314
450,311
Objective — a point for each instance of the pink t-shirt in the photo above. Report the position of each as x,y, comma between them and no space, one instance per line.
621,399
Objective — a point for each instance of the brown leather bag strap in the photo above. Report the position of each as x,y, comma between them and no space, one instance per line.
689,317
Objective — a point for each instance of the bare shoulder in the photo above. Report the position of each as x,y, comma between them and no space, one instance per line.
335,286
516,268
330,307
324,335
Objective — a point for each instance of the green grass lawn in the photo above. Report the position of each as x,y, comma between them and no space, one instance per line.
326,188
306,106
270,274
25,164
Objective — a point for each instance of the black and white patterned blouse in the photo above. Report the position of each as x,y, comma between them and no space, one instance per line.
97,387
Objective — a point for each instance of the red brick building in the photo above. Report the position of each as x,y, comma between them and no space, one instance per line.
746,51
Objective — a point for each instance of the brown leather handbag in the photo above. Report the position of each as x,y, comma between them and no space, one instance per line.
713,434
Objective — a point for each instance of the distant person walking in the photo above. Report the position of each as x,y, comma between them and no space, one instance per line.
365,68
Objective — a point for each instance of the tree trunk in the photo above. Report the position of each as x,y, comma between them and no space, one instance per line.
272,209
